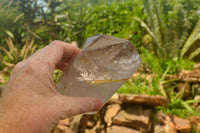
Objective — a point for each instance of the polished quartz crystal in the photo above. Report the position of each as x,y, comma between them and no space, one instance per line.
102,67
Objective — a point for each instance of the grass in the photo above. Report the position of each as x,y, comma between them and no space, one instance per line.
177,106
138,85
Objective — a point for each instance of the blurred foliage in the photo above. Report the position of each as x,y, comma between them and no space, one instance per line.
136,86
169,23
116,19
14,54
152,63
192,42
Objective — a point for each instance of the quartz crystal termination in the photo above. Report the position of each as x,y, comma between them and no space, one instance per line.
102,67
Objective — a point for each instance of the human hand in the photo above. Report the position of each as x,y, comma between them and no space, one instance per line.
30,103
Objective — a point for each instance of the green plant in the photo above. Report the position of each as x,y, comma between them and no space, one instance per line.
15,54
116,19
195,35
136,86
140,85
169,26
177,106
181,108
156,65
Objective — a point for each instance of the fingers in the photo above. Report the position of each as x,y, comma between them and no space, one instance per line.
61,52
78,105
56,55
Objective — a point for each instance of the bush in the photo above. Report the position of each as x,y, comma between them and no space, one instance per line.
159,66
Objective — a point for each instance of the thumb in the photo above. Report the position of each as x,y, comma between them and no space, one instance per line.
78,105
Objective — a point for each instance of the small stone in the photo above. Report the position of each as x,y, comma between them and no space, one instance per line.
89,131
160,117
111,111
121,129
60,129
92,121
90,124
163,124
189,76
196,89
195,121
114,99
197,66
182,125
197,97
98,128
64,122
151,101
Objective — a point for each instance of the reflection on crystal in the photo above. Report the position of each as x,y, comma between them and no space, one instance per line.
102,67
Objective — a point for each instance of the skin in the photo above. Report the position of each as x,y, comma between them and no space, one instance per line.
30,103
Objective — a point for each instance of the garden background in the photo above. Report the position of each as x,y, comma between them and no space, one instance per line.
165,32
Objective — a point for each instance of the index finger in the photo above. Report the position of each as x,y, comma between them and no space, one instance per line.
56,52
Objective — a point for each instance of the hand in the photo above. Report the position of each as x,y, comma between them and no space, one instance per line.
30,103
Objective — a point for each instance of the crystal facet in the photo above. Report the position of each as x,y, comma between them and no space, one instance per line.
102,67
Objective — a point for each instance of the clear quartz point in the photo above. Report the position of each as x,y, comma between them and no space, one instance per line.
102,67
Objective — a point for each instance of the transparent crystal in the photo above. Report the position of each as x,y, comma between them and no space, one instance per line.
102,67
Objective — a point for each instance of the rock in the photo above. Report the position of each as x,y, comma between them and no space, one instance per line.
151,101
181,125
90,124
196,89
114,99
195,121
189,76
134,116
64,122
197,66
111,111
163,129
121,129
93,131
75,123
197,98
98,128
163,124
171,77
61,129
92,121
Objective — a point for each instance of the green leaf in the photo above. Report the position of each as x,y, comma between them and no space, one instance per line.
192,38
10,44
187,106
7,52
8,64
180,94
10,34
194,54
144,25
18,17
